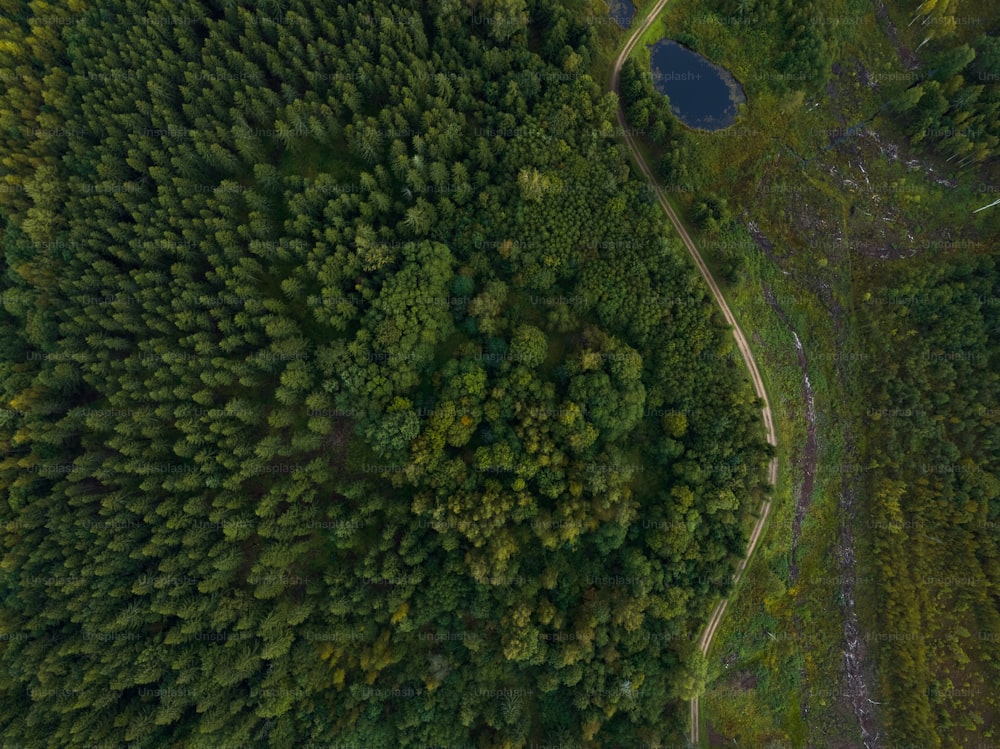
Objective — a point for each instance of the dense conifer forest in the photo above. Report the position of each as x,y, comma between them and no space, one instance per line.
352,393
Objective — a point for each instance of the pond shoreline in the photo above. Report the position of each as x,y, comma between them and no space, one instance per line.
705,122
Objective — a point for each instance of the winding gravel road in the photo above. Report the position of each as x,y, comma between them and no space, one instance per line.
741,341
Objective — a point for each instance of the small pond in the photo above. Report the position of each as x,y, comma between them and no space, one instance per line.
622,12
702,94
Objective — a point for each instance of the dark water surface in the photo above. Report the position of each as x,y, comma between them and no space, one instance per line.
622,11
702,95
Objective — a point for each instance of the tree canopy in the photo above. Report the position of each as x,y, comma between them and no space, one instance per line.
351,390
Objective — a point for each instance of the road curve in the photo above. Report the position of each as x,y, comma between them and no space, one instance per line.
741,341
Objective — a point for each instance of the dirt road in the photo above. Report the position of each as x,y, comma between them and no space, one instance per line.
741,340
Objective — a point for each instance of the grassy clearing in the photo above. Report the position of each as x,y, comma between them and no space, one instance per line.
777,638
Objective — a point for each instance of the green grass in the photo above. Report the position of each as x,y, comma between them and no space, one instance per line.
764,604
